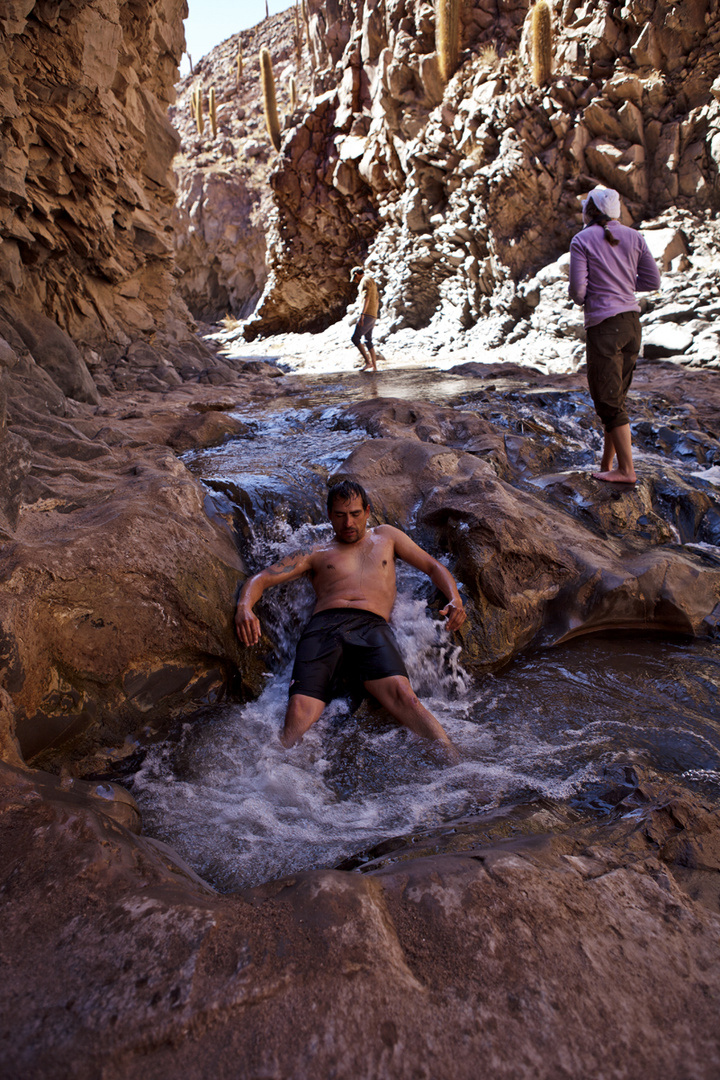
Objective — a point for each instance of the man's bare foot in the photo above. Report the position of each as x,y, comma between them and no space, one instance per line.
614,476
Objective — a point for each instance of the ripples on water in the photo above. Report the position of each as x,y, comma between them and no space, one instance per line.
242,810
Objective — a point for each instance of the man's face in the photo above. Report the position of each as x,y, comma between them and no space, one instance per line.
349,520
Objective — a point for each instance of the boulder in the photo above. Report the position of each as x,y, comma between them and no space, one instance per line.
669,339
532,573
55,351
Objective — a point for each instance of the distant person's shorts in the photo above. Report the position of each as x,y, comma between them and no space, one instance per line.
612,348
341,649
364,329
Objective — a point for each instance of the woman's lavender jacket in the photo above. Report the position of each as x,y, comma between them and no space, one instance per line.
605,278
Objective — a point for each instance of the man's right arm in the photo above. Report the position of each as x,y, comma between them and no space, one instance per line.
247,623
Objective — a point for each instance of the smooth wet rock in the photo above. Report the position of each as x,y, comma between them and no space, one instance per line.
119,577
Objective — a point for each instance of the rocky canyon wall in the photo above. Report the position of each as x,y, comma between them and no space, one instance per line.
457,192
106,542
86,193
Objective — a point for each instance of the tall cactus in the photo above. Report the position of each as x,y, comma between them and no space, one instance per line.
269,99
298,35
541,31
197,109
212,110
447,36
293,94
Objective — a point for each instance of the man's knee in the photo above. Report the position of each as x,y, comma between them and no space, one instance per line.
396,690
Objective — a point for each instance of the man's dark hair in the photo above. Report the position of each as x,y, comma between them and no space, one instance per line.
344,492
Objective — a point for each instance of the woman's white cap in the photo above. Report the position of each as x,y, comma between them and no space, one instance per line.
606,200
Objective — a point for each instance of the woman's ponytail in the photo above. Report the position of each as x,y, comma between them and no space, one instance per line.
595,217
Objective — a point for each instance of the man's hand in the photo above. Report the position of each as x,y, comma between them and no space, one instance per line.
247,625
455,613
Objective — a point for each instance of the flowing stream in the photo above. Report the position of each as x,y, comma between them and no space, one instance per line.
553,724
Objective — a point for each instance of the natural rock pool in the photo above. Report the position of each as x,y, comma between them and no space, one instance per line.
556,724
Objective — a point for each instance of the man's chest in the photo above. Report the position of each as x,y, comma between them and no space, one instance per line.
355,561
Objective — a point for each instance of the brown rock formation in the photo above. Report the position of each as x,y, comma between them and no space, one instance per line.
532,947
224,199
86,191
457,193
547,954
117,571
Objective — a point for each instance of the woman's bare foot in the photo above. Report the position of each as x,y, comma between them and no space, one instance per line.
614,476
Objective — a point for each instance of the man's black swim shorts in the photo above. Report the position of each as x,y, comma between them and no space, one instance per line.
341,649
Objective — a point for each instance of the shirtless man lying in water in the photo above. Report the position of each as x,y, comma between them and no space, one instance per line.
353,575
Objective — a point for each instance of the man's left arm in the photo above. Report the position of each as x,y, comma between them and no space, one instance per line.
410,552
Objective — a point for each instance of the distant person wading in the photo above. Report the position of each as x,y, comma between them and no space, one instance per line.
369,307
609,263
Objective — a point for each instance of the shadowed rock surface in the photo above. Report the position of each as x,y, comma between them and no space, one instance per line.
549,952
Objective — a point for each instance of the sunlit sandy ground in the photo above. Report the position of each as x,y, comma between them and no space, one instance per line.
332,352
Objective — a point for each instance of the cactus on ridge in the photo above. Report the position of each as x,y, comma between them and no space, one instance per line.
212,110
311,47
197,109
447,36
239,66
541,31
269,99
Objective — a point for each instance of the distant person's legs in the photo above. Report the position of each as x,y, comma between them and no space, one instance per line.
357,342
364,329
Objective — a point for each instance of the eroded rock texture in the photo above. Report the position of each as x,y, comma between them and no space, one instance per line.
86,192
115,576
529,944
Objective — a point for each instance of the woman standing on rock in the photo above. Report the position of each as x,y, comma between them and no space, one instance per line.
609,263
